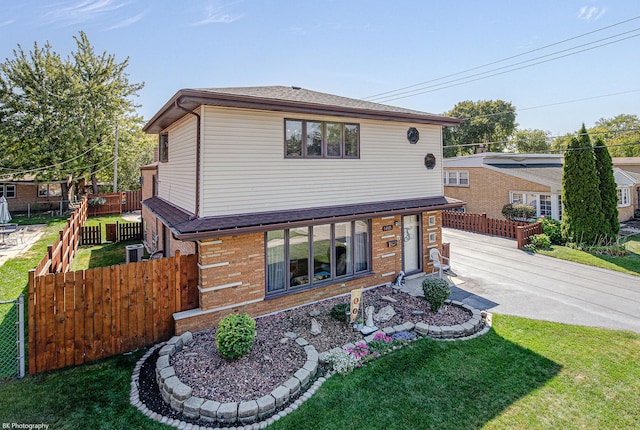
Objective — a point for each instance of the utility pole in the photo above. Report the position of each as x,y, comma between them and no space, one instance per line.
115,164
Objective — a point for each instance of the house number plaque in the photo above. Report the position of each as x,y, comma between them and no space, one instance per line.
387,227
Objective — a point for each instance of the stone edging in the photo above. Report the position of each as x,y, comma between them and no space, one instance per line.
178,395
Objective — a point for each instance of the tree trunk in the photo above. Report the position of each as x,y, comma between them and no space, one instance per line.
94,184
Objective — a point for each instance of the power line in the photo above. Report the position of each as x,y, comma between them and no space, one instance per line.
503,59
467,79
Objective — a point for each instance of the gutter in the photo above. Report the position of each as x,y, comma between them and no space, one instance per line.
177,104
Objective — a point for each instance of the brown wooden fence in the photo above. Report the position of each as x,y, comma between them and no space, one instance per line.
60,255
526,231
116,203
77,317
91,235
479,223
129,231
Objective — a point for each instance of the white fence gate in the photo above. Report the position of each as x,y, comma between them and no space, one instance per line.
12,351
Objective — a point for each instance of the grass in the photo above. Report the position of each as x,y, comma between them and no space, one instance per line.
106,254
628,264
524,374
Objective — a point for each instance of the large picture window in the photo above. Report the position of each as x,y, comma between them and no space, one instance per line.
317,139
304,257
49,190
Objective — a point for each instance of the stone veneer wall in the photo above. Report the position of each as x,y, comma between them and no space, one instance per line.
232,273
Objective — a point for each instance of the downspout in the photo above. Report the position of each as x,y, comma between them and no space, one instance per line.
197,208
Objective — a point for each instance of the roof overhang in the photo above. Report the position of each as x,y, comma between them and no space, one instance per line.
186,227
191,99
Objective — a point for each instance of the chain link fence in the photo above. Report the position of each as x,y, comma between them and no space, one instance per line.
12,345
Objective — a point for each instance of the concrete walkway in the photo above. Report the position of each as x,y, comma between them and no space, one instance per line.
491,273
25,241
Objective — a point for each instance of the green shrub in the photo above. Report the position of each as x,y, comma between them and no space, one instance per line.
518,212
235,335
436,291
340,311
553,229
540,241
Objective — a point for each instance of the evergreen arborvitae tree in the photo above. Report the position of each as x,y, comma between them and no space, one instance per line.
582,218
608,190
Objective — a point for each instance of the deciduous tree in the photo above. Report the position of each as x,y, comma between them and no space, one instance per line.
487,122
529,140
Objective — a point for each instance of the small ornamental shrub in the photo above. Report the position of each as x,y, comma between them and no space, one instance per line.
540,241
235,336
342,362
340,311
436,291
553,229
518,212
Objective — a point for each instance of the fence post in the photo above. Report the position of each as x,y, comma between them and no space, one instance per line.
21,336
520,236
32,324
178,289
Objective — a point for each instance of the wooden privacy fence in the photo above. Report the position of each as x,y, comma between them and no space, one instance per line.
479,223
60,255
117,203
77,317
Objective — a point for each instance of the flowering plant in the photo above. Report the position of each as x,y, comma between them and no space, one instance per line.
403,336
342,361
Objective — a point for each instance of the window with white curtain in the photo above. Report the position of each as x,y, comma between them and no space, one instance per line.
304,257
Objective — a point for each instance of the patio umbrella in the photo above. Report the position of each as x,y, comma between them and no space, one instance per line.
5,216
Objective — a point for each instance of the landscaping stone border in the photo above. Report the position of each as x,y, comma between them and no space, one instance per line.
247,414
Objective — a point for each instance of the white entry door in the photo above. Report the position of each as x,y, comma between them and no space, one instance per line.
411,243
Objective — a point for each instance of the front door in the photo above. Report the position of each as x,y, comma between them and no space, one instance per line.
411,243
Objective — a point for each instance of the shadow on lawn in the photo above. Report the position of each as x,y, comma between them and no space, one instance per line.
429,384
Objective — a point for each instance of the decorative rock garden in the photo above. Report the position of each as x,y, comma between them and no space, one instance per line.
188,411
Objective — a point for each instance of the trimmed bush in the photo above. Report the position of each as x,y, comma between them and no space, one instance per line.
436,291
235,336
540,241
340,311
553,229
518,212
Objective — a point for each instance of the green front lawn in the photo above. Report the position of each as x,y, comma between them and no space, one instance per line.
523,374
627,264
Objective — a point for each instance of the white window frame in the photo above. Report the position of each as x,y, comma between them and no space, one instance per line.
524,197
624,197
5,187
456,178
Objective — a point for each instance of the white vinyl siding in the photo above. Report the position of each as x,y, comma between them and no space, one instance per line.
245,169
177,177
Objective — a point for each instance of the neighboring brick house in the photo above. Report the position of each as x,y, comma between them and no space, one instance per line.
631,168
26,195
290,196
488,181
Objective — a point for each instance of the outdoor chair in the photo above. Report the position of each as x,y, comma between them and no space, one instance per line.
440,263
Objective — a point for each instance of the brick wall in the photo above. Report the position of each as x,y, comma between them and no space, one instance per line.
232,273
488,190
27,194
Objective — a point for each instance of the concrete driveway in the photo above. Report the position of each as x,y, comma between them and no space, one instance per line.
492,274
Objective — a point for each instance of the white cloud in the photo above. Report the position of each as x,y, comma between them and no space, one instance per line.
129,21
591,13
216,12
70,13
8,22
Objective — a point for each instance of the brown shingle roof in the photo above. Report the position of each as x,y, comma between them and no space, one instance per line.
186,227
289,99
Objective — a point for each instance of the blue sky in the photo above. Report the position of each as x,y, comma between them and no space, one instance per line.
359,48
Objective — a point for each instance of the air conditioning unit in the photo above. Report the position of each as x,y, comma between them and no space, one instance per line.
134,253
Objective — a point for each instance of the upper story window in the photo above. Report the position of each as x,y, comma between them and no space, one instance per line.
321,139
456,178
8,191
163,147
623,197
